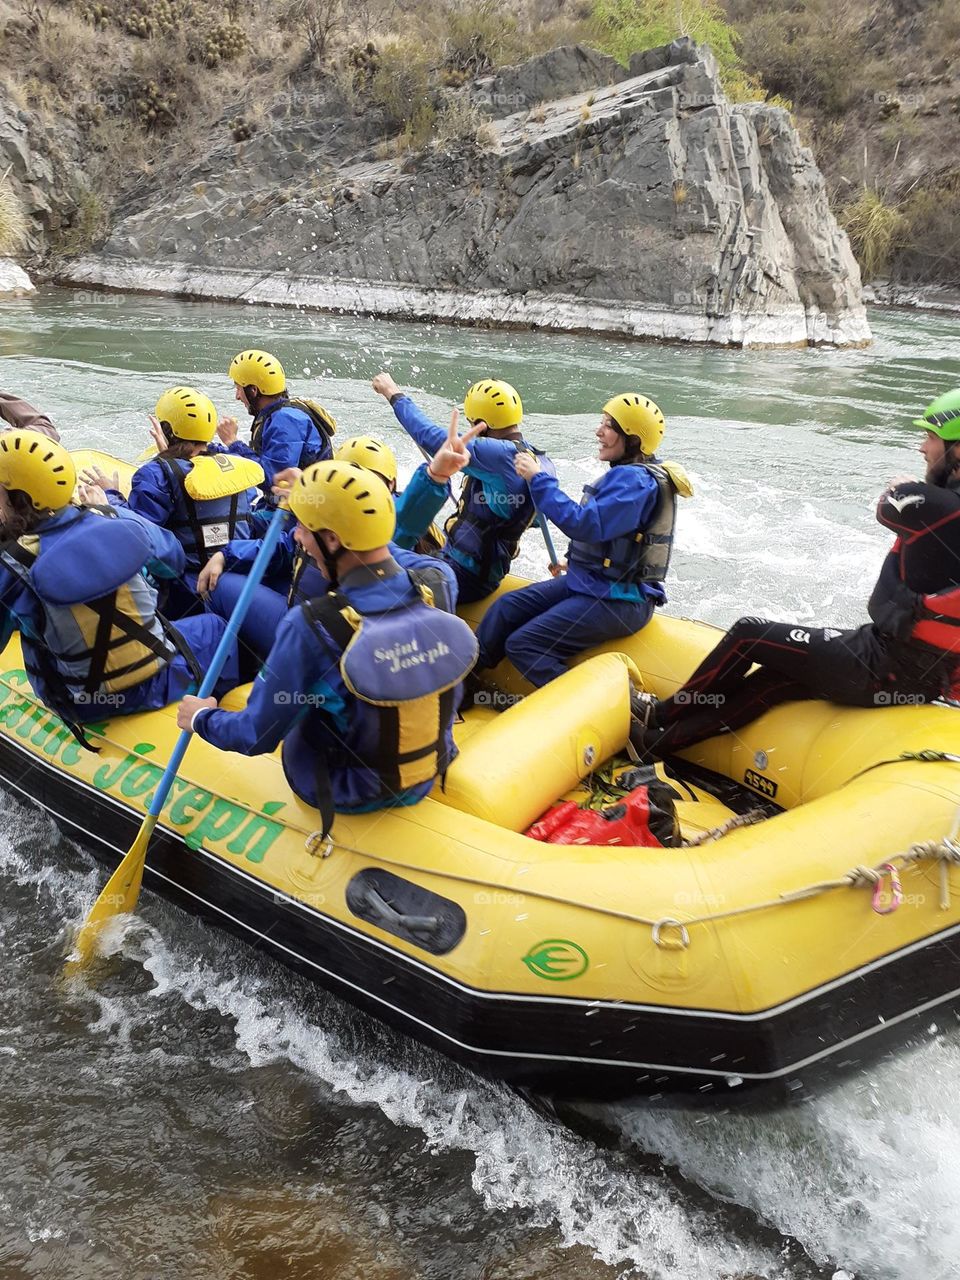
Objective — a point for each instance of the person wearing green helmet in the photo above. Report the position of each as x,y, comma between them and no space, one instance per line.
908,653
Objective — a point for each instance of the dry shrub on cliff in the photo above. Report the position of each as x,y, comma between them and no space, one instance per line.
459,121
53,58
812,52
928,247
479,37
874,227
401,88
13,220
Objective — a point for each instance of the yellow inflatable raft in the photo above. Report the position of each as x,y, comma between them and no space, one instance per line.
769,955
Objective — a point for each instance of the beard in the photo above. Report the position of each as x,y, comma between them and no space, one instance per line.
940,472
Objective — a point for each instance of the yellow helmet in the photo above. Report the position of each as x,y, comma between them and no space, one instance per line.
496,403
258,369
188,413
350,501
367,452
635,415
42,469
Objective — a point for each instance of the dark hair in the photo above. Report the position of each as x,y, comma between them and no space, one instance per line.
24,516
181,449
632,448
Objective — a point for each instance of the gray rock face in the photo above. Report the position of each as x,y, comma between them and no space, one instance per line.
44,169
637,201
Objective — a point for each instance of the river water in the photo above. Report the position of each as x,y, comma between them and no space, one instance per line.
204,1113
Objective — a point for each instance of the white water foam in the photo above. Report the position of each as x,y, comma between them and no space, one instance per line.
865,1176
521,1160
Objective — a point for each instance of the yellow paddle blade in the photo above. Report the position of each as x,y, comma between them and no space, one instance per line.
149,452
221,475
84,458
118,897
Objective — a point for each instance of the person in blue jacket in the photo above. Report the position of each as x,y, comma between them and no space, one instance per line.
203,499
362,684
293,575
621,536
495,507
284,433
78,584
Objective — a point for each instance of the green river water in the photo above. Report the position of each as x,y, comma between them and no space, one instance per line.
204,1113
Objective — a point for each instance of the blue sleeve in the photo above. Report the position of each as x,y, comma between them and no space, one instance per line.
167,558
284,434
150,494
242,552
417,506
624,501
292,674
417,425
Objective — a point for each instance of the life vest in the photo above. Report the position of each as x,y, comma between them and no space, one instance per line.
102,633
642,556
211,501
403,665
324,423
903,614
488,524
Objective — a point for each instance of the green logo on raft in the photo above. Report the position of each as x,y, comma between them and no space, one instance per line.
557,960
201,817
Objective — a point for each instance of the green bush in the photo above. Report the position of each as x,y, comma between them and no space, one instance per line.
623,27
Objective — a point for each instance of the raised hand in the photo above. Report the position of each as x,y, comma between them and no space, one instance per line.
156,434
227,429
384,385
453,455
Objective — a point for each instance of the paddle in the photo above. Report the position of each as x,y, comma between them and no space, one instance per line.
122,890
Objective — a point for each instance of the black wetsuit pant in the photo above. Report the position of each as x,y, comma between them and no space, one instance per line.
859,668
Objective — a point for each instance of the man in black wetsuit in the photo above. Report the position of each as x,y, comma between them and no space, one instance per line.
909,653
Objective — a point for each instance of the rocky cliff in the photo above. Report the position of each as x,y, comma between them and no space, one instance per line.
635,201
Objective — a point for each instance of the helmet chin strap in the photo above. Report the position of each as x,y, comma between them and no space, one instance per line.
330,559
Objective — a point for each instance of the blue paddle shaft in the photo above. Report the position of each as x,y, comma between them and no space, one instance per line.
545,530
208,684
